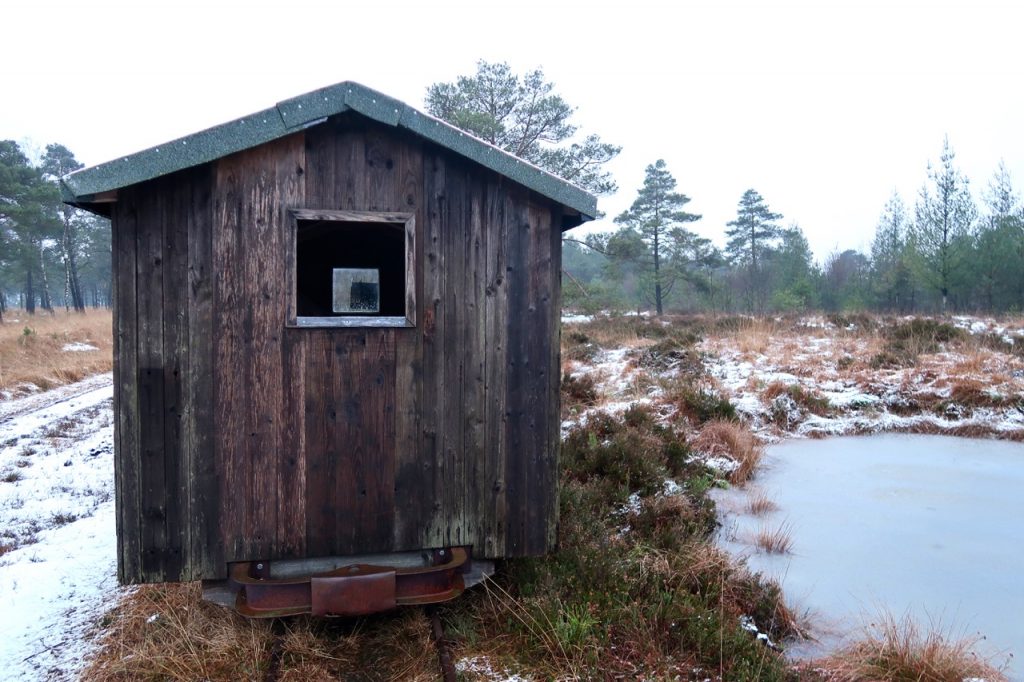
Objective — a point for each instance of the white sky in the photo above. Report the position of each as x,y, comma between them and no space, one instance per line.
825,107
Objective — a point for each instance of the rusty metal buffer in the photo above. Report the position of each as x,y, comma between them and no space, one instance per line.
353,586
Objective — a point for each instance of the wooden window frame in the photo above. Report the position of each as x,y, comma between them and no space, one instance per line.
407,221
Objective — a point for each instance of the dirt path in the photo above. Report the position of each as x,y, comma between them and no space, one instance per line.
57,536
10,410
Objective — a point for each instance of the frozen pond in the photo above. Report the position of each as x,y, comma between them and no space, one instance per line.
932,526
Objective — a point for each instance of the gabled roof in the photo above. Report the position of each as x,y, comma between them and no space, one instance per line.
83,186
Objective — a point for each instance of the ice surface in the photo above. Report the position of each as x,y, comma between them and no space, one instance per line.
928,525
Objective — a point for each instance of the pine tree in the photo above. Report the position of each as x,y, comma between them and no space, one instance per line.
891,275
944,215
999,252
793,271
751,236
658,217
24,196
58,161
524,116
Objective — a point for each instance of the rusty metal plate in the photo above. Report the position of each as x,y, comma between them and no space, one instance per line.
358,594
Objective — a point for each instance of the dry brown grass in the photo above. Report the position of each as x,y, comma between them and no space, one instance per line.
754,337
733,440
31,349
973,393
898,650
166,632
760,504
775,541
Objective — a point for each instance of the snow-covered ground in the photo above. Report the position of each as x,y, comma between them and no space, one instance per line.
829,364
57,533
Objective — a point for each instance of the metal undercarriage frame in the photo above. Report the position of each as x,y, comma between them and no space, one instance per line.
347,586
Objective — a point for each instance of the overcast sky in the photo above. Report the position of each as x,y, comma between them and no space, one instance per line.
825,107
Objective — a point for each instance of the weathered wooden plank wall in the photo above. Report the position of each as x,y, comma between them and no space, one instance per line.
239,438
164,466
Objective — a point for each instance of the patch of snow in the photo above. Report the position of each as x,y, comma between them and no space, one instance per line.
722,465
748,624
576,318
58,511
78,347
481,666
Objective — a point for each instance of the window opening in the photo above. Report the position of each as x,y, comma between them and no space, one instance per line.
352,269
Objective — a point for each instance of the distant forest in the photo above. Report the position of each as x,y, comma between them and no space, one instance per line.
51,255
945,251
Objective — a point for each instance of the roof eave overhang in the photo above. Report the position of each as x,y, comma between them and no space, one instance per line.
86,188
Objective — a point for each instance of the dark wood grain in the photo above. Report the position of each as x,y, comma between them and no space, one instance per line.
127,464
492,509
205,551
242,436
149,306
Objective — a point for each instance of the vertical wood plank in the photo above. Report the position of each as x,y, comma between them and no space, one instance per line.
454,235
411,468
232,324
474,350
127,465
517,386
319,409
430,494
541,477
492,478
205,548
291,523
174,255
149,290
552,403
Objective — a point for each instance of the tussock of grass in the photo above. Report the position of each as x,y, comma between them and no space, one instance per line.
31,349
760,504
805,398
732,440
775,540
898,650
974,393
754,337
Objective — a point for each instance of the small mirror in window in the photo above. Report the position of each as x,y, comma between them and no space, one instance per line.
356,290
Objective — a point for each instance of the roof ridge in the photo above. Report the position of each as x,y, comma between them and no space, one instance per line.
289,115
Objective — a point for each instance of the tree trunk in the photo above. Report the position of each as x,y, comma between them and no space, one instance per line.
30,296
72,286
44,294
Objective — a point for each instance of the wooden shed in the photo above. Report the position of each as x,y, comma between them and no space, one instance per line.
336,335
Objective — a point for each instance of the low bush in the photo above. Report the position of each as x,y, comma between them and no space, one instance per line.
701,405
675,353
636,589
905,341
578,391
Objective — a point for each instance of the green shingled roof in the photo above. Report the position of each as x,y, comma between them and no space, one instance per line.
82,186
